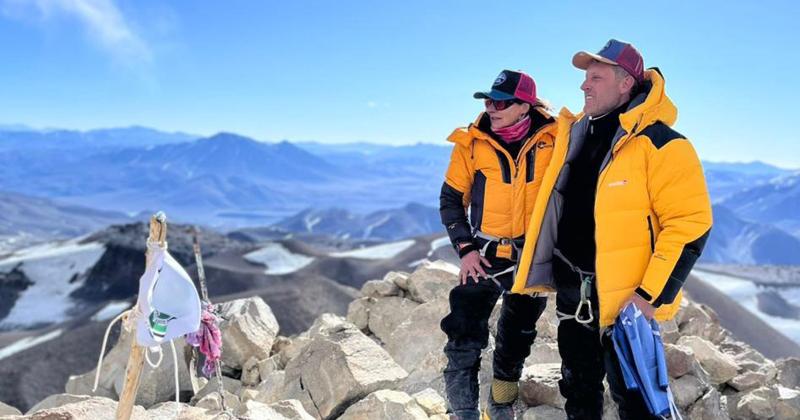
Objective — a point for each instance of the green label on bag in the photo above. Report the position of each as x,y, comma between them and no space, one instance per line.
158,323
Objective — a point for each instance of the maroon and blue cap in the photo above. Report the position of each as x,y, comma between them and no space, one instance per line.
616,53
511,85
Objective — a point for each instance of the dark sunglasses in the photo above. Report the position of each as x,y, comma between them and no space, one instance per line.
500,104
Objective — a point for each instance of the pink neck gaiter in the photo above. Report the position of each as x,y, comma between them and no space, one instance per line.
516,131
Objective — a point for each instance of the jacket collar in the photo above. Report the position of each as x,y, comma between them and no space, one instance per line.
649,106
479,128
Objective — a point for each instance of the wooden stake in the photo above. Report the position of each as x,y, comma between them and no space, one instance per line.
158,236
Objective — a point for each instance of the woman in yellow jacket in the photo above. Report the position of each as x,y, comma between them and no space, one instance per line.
495,172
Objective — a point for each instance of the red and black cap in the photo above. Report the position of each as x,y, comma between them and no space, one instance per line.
511,85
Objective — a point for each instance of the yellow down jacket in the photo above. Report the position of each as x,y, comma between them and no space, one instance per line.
652,209
498,189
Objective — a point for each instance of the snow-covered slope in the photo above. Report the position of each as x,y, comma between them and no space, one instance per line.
746,292
377,252
278,259
48,273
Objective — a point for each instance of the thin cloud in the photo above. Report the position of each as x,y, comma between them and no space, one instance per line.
102,19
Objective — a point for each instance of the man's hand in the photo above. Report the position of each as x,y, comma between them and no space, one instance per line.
647,309
471,267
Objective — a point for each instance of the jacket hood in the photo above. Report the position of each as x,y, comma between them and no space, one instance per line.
649,106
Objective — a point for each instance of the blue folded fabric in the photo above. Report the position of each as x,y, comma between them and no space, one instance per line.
641,357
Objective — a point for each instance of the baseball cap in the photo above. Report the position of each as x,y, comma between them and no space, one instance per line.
509,85
616,53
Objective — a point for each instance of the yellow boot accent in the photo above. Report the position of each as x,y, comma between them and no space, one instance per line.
504,392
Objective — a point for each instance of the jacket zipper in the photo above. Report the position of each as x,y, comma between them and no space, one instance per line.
652,234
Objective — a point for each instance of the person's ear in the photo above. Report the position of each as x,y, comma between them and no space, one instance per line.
526,107
627,84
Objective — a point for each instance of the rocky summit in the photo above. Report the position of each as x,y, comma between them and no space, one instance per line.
384,361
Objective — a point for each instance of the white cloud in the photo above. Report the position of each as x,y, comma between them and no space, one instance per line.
102,19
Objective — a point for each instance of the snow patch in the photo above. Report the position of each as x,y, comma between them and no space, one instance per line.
439,243
278,259
414,264
311,222
377,252
27,343
56,270
370,228
744,292
111,310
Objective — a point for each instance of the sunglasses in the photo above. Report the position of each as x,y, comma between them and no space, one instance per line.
500,104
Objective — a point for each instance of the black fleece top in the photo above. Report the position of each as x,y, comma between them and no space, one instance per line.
577,226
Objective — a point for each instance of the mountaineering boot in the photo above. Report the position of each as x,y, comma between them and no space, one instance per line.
461,383
501,401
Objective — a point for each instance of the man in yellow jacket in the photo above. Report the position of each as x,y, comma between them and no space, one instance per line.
622,215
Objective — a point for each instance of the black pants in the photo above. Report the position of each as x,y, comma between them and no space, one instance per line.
587,357
467,329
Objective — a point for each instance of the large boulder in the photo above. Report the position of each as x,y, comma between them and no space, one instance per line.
339,365
358,312
251,374
271,388
789,372
544,412
291,409
400,278
380,288
680,360
418,346
432,281
90,408
419,334
543,352
709,407
431,401
7,410
670,333
539,385
229,385
387,313
385,404
720,367
265,367
687,389
756,404
214,402
547,325
177,411
788,406
57,400
700,321
248,328
750,379
155,384
257,410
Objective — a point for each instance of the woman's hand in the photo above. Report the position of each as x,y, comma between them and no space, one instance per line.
471,267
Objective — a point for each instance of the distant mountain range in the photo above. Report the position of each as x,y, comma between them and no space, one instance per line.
356,191
410,220
776,202
25,220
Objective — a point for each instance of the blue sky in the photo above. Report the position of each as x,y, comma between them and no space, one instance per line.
386,72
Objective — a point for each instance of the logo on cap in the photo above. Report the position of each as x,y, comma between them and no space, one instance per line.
500,79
